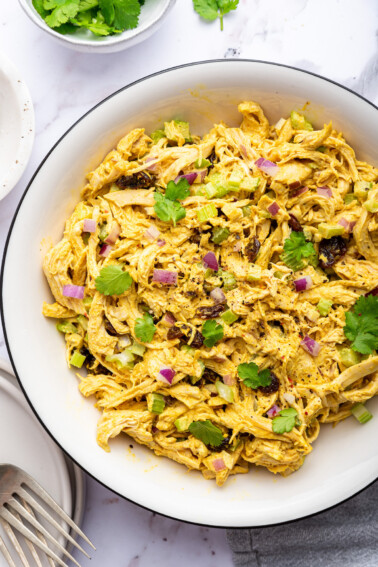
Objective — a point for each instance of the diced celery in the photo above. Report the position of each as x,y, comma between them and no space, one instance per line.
114,187
328,230
85,236
361,188
229,280
77,359
299,122
199,190
182,423
87,302
103,232
220,234
246,211
207,212
83,321
137,349
349,357
324,306
361,413
188,349
176,130
155,403
321,149
209,273
122,360
254,273
264,215
210,190
66,327
279,275
249,183
349,198
195,379
229,317
157,135
201,163
224,391
371,205
234,180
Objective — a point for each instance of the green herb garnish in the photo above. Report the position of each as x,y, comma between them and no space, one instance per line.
206,432
212,9
167,207
249,373
213,332
362,324
113,281
144,328
298,253
285,421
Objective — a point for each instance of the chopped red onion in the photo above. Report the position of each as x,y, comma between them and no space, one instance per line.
105,250
324,192
267,166
151,167
311,346
160,242
273,411
210,261
300,191
166,374
89,225
169,319
201,174
114,233
273,208
217,295
303,283
348,225
152,232
219,465
229,380
74,291
190,177
165,277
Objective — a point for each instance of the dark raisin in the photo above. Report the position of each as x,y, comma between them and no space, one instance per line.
89,358
176,332
210,312
252,249
141,180
184,333
212,159
273,386
295,185
197,342
373,291
102,370
210,375
109,328
331,250
195,236
225,443
294,223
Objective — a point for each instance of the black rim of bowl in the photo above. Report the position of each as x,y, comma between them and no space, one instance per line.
163,71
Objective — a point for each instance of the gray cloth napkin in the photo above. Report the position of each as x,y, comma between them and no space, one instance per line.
346,536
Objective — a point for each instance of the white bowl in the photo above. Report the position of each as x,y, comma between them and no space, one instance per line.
152,15
16,126
345,458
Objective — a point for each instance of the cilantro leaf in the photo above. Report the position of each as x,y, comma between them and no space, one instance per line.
87,5
168,210
362,324
121,14
95,24
62,11
39,6
212,9
206,432
225,6
298,253
144,328
212,331
177,191
249,373
113,281
285,421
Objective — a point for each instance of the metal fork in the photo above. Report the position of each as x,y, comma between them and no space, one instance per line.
18,505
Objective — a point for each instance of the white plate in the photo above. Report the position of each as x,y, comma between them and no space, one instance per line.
16,126
345,458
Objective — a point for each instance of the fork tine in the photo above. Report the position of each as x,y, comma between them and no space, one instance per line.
12,536
31,547
38,508
13,503
41,492
5,552
32,537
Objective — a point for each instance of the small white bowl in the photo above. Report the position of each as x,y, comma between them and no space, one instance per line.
152,15
16,126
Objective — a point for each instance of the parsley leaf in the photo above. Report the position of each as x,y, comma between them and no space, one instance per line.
121,14
62,11
362,324
113,281
285,421
206,432
212,9
178,191
167,206
212,331
144,328
296,248
249,373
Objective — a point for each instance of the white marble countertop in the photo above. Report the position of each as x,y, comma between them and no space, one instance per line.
334,38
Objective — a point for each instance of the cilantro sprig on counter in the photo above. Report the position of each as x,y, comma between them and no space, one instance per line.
298,253
206,432
101,17
213,9
113,281
362,324
249,373
167,206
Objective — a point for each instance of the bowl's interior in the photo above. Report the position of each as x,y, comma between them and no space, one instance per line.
344,459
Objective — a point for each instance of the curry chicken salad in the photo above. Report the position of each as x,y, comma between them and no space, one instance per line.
222,292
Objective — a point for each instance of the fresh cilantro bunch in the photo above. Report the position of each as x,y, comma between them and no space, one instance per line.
212,9
113,281
167,207
212,332
101,17
285,421
206,432
362,324
298,253
144,328
249,373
